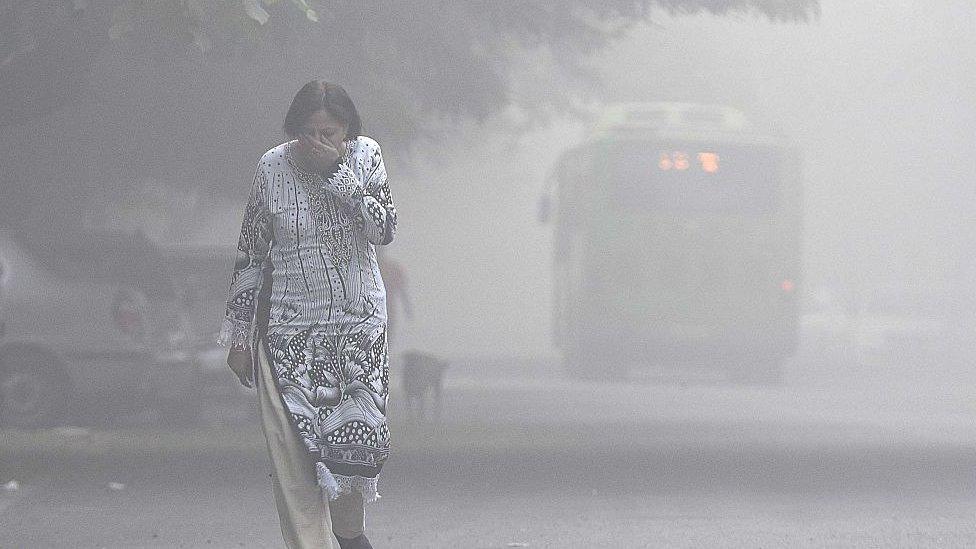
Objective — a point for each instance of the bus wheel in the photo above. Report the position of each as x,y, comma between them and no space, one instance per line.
33,392
578,367
585,368
758,371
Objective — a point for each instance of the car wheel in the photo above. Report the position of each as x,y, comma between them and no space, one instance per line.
181,413
758,371
580,369
586,367
182,403
33,392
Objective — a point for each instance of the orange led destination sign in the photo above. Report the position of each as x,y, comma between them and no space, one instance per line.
708,162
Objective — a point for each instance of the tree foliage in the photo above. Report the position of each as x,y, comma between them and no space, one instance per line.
116,95
448,57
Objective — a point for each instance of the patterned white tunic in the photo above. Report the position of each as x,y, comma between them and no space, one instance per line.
326,326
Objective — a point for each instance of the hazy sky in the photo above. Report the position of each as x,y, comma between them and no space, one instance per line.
874,96
877,98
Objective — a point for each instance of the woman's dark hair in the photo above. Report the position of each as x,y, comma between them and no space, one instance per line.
317,95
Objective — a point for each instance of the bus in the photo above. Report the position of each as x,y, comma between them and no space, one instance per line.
677,240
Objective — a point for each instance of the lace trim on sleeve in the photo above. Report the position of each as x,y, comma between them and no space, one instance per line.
345,183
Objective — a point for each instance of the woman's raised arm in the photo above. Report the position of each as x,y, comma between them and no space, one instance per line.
365,189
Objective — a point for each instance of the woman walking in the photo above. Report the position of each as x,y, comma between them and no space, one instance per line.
315,348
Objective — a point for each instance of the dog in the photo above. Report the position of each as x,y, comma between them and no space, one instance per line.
423,378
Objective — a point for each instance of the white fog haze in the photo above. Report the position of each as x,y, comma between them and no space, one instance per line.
878,99
677,273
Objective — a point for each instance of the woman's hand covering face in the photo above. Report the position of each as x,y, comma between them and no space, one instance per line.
320,157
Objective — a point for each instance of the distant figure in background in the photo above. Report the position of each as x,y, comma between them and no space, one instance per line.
397,297
423,377
317,348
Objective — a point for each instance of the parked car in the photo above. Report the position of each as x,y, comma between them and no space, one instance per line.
203,274
827,325
890,327
914,327
91,320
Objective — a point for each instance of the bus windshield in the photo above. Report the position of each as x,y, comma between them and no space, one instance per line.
693,177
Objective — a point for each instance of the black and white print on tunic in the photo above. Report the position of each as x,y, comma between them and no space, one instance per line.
326,333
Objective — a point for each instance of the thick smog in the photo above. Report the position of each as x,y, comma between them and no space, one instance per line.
466,275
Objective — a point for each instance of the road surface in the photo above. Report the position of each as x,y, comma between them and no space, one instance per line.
524,457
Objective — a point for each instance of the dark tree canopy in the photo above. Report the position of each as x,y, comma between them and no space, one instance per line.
186,93
443,57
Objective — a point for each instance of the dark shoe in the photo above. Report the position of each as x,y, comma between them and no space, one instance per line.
359,542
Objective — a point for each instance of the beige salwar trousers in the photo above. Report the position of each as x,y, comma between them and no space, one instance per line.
306,521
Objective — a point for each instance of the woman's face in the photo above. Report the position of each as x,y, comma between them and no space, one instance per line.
326,128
